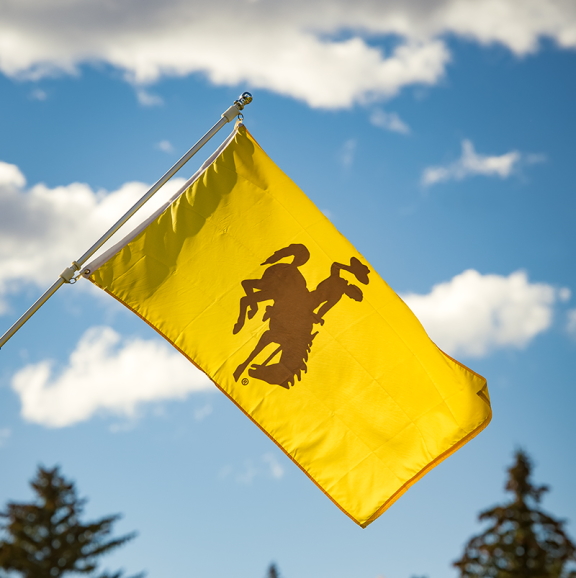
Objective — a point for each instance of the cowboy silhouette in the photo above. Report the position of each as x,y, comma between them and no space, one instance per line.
332,289
293,313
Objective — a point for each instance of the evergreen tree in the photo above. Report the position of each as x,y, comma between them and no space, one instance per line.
45,538
273,571
521,541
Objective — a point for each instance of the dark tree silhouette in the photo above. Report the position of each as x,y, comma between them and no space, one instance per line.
45,538
273,571
521,541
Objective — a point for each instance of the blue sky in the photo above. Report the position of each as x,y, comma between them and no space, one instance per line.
438,137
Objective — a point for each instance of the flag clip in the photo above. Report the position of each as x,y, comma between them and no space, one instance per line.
68,273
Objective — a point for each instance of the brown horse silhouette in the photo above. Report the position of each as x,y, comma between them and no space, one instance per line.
293,313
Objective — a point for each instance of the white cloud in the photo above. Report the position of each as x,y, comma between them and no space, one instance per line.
571,324
471,163
293,48
564,294
40,229
146,98
38,94
473,314
276,470
165,146
5,434
389,121
267,466
11,176
348,152
244,474
105,374
247,473
201,413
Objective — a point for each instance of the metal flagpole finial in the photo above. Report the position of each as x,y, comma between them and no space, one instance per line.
237,107
244,99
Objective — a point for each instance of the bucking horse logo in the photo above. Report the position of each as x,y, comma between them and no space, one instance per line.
294,312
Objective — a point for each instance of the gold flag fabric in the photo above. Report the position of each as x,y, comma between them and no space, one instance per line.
252,283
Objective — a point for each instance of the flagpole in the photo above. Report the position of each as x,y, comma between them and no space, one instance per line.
67,276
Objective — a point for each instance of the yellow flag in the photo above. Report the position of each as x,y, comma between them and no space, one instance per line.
255,286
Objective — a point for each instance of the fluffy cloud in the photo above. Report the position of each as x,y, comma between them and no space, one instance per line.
105,374
276,470
42,230
201,413
165,146
471,163
571,325
39,94
348,152
389,121
146,98
473,314
5,434
318,51
268,466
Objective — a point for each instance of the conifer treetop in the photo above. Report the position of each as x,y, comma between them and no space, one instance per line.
46,539
521,540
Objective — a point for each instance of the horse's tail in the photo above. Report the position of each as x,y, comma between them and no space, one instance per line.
296,250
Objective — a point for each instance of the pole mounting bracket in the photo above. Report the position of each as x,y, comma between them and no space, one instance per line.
69,273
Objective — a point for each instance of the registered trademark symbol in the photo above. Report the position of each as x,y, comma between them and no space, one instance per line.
245,381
